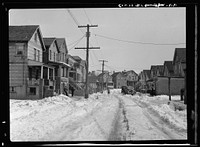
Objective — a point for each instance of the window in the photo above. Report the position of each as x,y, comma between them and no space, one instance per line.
12,89
63,57
54,56
32,90
49,54
38,55
35,54
30,72
19,48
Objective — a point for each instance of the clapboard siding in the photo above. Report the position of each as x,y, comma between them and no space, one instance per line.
17,74
34,44
13,57
53,50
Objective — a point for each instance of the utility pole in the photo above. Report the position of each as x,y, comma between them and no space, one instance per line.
87,54
102,72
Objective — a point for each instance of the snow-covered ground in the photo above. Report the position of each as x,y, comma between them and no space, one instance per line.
100,117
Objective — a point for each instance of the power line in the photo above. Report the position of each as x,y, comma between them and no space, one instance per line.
76,43
94,32
137,42
76,40
87,16
74,18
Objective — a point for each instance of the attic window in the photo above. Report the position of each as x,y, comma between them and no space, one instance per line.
19,48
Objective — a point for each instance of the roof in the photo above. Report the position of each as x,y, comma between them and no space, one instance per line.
22,33
115,74
48,41
180,53
147,72
77,58
158,68
60,41
169,65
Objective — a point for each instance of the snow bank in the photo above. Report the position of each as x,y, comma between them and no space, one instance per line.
62,118
175,119
169,111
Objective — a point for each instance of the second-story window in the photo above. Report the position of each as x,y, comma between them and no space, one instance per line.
35,53
19,48
38,55
54,56
49,54
63,57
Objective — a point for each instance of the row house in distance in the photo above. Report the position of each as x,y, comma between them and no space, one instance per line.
77,74
92,82
168,70
55,56
179,61
131,78
144,78
104,81
26,48
119,79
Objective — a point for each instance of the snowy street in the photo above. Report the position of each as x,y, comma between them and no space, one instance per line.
101,117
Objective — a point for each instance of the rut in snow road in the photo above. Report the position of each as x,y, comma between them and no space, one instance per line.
142,125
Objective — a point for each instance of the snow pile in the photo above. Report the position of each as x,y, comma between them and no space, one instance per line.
62,118
173,112
177,120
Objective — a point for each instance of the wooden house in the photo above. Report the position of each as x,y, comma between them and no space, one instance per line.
52,57
179,61
119,80
26,46
144,77
131,78
105,81
62,75
92,81
168,70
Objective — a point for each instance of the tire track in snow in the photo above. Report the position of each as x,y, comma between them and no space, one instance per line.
156,121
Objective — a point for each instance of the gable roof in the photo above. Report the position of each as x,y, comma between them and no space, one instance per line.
169,65
60,41
147,72
21,33
115,74
180,53
48,41
158,68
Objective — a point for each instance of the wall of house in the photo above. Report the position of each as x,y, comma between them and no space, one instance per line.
176,84
18,74
13,56
54,56
35,43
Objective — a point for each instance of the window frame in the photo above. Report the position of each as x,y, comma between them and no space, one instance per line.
35,54
17,45
32,93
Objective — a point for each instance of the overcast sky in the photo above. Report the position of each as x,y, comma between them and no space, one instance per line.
129,38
